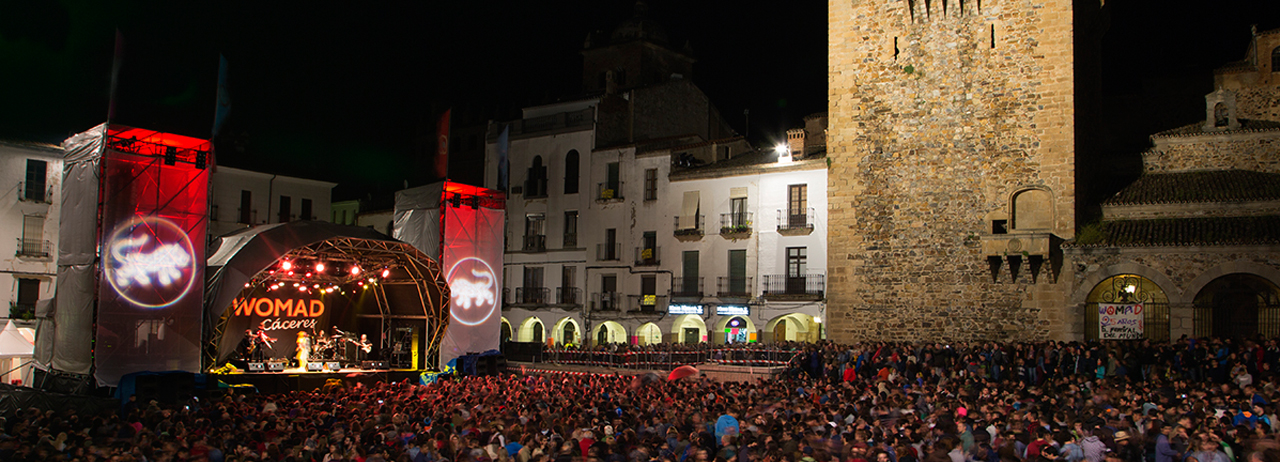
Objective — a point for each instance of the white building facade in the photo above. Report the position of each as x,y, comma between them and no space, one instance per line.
30,204
241,199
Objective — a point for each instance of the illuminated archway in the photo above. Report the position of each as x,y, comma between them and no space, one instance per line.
1124,289
1239,305
531,330
609,332
735,329
505,333
689,329
793,327
567,332
649,334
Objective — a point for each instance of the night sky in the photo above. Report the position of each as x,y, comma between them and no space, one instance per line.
340,92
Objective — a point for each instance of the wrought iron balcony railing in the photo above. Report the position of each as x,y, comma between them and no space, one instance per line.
608,252
795,219
647,256
34,248
606,301
804,284
686,286
646,303
609,191
736,222
535,243
733,287
690,226
568,296
532,295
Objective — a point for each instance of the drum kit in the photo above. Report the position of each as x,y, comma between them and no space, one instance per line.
334,347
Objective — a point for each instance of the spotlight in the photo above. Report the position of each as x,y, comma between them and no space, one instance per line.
291,273
372,279
246,285
319,267
286,265
355,270
308,275
317,286
302,289
386,272
295,284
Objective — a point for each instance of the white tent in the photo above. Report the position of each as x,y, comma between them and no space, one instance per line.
15,354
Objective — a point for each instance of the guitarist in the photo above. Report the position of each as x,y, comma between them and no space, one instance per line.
260,340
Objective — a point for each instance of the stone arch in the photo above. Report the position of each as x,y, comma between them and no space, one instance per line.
1264,271
1150,300
1081,293
690,321
648,334
567,331
531,330
1031,208
610,332
1239,305
792,324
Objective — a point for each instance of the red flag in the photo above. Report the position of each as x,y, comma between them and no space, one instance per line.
442,145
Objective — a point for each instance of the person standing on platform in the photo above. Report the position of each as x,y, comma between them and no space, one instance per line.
304,349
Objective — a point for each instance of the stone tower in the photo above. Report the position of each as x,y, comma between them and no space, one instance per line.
953,138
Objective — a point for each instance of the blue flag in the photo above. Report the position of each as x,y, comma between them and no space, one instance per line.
503,145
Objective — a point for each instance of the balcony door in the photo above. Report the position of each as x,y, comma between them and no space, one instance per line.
797,205
738,272
797,266
689,281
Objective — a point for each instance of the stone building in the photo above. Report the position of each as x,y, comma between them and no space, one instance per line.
1196,239
955,128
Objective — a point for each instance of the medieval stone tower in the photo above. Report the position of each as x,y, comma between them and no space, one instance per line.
955,127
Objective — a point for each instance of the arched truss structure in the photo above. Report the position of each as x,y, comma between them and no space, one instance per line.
408,285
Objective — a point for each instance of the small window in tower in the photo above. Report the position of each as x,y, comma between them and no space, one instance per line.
993,36
999,226
1275,59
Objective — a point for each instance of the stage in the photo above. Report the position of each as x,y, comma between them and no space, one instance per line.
300,380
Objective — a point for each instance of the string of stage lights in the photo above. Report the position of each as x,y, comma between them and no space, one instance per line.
311,276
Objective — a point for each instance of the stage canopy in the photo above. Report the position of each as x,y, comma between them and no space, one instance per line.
409,286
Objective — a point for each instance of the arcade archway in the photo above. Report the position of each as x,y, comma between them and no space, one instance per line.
567,332
1238,305
649,334
689,329
735,329
504,335
609,332
1129,289
793,327
531,330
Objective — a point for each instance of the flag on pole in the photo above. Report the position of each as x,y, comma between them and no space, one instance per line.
442,145
223,108
115,75
503,146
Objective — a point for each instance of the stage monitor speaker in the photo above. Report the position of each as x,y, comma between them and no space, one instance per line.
333,365
276,366
491,365
315,367
257,367
371,365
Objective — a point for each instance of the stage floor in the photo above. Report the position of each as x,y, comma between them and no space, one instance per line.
299,380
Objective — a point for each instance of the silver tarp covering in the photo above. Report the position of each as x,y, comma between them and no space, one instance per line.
417,218
77,257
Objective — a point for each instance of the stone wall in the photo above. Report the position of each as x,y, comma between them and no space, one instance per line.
939,112
1259,103
1259,152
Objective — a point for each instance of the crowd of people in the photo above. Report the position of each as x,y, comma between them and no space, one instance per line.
1200,400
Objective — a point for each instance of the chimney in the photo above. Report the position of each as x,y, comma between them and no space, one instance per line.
795,142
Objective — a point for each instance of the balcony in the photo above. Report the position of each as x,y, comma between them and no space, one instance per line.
802,287
647,256
646,303
38,193
686,287
795,222
34,248
609,192
570,240
535,243
735,225
691,229
568,296
537,296
535,188
609,252
26,311
606,301
733,287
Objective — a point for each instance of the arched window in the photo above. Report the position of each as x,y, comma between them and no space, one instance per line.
1221,118
1275,60
535,183
1032,209
571,172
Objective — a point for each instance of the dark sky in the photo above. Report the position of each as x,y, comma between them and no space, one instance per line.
339,92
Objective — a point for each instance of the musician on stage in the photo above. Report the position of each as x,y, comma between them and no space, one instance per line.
304,349
259,342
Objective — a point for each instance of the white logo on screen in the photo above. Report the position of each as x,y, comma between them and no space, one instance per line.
150,262
471,285
165,263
